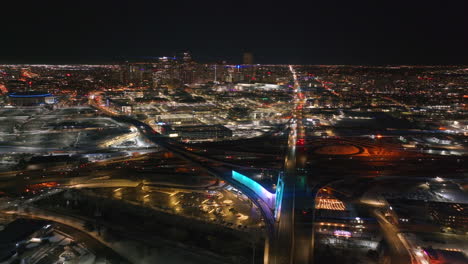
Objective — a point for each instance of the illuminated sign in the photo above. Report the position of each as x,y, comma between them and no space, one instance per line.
266,196
342,233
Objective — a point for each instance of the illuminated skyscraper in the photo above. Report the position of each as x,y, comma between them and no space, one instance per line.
187,57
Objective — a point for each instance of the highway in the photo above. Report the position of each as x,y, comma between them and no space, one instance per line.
399,249
293,243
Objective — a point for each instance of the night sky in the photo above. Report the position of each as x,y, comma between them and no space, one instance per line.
302,32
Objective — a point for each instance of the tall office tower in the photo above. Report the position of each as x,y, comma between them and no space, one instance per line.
248,58
124,69
187,57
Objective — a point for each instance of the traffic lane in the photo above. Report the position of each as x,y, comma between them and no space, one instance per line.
399,253
286,240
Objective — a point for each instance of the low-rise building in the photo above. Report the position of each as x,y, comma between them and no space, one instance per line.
31,98
197,132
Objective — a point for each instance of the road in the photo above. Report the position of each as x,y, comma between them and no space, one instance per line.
399,249
293,242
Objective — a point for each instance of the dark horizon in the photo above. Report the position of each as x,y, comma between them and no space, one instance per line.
105,61
332,33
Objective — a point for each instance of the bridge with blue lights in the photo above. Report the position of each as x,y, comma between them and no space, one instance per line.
273,200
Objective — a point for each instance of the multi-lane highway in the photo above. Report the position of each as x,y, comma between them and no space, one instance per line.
293,241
